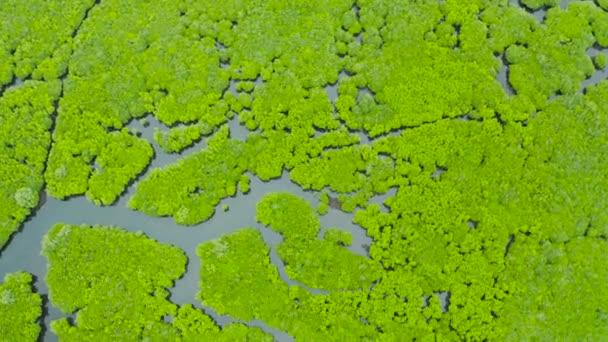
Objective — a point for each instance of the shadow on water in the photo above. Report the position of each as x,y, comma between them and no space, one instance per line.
45,307
13,84
503,76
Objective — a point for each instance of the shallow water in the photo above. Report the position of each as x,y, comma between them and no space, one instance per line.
23,252
599,74
503,76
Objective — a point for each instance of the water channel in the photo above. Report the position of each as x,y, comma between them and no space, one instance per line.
23,251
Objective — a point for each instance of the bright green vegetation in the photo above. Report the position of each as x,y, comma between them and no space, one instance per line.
500,190
116,282
547,302
323,206
238,279
25,120
178,138
316,263
338,236
20,308
537,4
36,37
194,326
190,189
122,67
281,210
295,36
495,291
601,61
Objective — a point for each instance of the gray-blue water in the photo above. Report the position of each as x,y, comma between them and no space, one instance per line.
23,251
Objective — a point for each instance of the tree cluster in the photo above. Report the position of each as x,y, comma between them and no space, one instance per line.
237,278
20,308
25,120
116,282
498,223
190,189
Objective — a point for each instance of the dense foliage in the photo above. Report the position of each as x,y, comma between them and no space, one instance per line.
122,67
239,279
495,223
36,37
178,138
20,308
190,189
116,282
25,123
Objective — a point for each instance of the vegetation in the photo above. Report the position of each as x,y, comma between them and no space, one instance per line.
194,325
600,61
245,290
116,282
25,121
20,308
239,279
190,189
496,223
338,236
141,71
178,138
36,38
316,263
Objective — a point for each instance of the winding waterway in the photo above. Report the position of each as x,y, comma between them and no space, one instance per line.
23,251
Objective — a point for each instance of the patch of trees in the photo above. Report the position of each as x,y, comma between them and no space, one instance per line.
20,308
190,189
238,279
116,284
25,120
500,199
